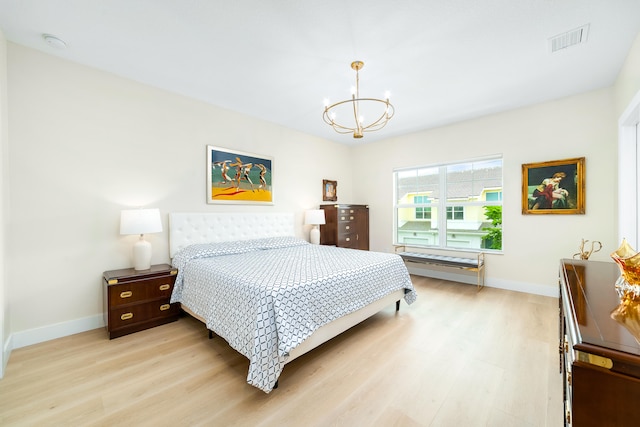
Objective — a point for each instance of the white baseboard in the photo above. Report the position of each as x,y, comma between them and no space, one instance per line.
471,278
6,352
57,330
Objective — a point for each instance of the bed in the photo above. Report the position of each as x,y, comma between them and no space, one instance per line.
271,295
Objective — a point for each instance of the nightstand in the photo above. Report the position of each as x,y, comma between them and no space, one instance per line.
138,300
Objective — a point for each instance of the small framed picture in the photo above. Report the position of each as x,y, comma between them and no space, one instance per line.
329,191
555,187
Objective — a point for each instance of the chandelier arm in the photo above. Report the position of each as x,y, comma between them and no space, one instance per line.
338,127
386,115
377,125
328,120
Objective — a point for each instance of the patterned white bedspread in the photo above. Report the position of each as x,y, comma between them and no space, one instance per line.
266,296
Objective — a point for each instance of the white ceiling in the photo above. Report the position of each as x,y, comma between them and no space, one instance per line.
442,60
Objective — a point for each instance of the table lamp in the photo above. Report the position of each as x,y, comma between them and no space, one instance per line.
314,217
141,221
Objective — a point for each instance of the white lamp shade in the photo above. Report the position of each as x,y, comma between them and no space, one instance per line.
314,217
140,221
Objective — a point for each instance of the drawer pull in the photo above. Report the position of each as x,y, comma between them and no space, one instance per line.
342,218
164,307
348,239
603,362
126,316
126,294
347,227
164,287
351,211
351,217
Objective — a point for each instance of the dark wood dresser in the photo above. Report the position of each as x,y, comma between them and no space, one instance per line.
347,226
599,358
137,300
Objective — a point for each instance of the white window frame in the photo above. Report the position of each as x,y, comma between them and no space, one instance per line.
629,173
442,204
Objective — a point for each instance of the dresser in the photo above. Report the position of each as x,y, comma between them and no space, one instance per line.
599,358
347,226
137,300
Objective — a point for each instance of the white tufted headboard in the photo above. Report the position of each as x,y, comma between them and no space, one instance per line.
189,228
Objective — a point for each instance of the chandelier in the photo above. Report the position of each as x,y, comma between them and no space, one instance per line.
381,109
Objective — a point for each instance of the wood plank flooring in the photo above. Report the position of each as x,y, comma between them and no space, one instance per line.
456,357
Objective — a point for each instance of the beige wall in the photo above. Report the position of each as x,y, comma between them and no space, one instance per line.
583,125
4,304
85,144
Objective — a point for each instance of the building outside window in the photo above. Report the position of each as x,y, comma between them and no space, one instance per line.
422,212
469,193
455,212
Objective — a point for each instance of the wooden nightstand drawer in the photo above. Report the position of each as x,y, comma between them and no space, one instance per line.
128,293
138,313
137,300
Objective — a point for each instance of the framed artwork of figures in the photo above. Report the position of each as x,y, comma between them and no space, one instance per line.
236,177
554,187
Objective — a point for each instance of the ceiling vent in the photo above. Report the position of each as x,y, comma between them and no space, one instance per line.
570,38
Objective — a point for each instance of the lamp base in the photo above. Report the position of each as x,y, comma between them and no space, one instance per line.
142,254
314,235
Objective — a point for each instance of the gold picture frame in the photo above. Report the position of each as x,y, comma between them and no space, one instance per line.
554,187
329,191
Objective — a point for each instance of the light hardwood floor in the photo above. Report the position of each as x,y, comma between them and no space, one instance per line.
456,357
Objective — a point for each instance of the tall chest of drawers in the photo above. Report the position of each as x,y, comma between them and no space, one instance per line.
599,358
137,300
347,226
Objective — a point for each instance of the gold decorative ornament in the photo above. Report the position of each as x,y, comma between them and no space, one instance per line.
629,262
585,254
382,109
628,314
628,288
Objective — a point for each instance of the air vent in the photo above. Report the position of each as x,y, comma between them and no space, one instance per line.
568,39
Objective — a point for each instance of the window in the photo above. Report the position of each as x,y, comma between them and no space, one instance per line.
493,196
455,212
422,212
468,193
